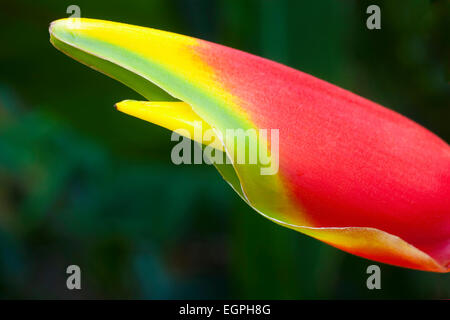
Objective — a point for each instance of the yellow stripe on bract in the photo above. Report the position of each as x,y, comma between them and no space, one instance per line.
171,51
199,87
375,244
173,116
175,53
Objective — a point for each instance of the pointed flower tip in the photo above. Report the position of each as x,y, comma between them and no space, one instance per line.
119,106
59,25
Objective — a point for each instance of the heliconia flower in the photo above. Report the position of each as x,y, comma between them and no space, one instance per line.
351,173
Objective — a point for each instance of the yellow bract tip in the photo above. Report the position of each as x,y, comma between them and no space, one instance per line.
175,116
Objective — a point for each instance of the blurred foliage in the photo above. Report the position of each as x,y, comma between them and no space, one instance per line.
83,184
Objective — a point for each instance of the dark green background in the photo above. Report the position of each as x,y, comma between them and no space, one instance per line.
81,183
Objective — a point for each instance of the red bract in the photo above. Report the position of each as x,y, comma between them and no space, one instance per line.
351,173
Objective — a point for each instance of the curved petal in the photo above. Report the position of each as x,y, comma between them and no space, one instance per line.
352,173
